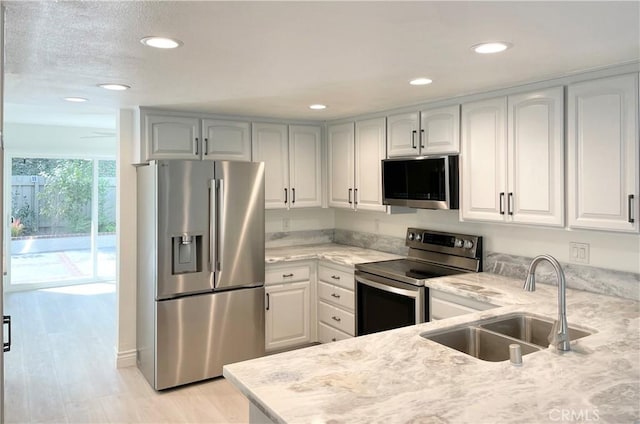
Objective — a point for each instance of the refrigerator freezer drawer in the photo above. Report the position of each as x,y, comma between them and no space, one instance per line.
197,335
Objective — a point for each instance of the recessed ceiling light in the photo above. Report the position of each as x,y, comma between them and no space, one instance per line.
317,107
114,87
75,99
161,42
420,81
492,47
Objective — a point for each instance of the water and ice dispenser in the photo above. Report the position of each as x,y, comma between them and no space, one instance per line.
187,254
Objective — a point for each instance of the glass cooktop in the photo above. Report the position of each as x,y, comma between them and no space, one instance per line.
408,270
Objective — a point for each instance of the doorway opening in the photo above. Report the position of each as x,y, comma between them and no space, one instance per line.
62,222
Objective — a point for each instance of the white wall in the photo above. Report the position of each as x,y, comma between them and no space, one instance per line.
56,141
299,220
610,250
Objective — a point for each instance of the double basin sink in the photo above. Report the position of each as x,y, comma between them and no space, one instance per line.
489,339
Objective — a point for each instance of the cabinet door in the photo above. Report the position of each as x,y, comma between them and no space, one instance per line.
483,157
287,319
305,168
226,140
370,149
269,143
603,154
440,130
341,163
402,135
172,137
536,158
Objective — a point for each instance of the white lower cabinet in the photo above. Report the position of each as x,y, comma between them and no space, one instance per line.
336,303
288,307
446,305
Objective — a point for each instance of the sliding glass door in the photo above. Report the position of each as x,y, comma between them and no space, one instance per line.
62,222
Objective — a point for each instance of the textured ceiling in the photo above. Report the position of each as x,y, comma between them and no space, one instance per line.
273,59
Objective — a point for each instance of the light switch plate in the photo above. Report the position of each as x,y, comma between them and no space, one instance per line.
579,252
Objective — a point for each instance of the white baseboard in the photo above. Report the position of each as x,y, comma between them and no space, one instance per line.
126,358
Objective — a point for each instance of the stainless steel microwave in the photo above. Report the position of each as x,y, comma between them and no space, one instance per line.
425,182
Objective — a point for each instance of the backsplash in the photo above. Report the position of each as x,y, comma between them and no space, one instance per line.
580,277
295,238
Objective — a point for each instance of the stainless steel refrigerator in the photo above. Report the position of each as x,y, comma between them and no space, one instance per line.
200,301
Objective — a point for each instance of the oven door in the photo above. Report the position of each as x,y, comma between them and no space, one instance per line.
384,304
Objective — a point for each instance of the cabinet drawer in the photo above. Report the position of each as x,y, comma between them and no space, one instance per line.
342,320
337,295
287,275
327,334
339,278
446,305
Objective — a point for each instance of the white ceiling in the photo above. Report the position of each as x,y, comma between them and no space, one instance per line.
273,59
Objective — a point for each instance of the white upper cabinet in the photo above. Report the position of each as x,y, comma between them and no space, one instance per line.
369,152
603,157
167,136
513,159
340,146
355,171
292,155
535,158
429,132
305,166
226,140
483,157
171,137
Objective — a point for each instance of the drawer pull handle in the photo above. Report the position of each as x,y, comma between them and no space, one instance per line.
337,296
287,275
334,339
336,319
335,277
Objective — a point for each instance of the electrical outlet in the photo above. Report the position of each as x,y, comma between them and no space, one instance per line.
285,224
579,252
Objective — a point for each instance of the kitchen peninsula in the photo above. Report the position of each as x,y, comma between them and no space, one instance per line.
398,376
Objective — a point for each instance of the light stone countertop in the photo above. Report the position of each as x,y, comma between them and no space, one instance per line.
337,253
399,377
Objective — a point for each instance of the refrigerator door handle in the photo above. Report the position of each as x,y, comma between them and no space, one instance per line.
212,224
219,224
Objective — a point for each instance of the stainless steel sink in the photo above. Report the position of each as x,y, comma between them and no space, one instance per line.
528,328
489,340
479,343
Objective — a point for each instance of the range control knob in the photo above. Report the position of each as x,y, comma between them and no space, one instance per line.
410,236
418,237
468,244
458,243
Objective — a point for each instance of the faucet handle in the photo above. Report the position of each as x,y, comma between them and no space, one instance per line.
557,337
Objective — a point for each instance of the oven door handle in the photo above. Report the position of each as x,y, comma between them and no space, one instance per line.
389,288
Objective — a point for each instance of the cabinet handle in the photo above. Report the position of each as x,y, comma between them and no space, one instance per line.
267,301
335,277
206,147
413,139
197,147
631,220
502,203
334,339
287,275
422,139
336,319
337,296
355,196
350,195
285,196
510,204
293,195
6,346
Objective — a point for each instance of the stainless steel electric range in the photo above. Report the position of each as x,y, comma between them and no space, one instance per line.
392,294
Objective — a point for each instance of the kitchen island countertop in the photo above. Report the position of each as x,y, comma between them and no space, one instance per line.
398,376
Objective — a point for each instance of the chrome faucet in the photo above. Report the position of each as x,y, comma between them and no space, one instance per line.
559,336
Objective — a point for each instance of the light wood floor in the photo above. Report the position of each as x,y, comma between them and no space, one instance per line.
61,368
